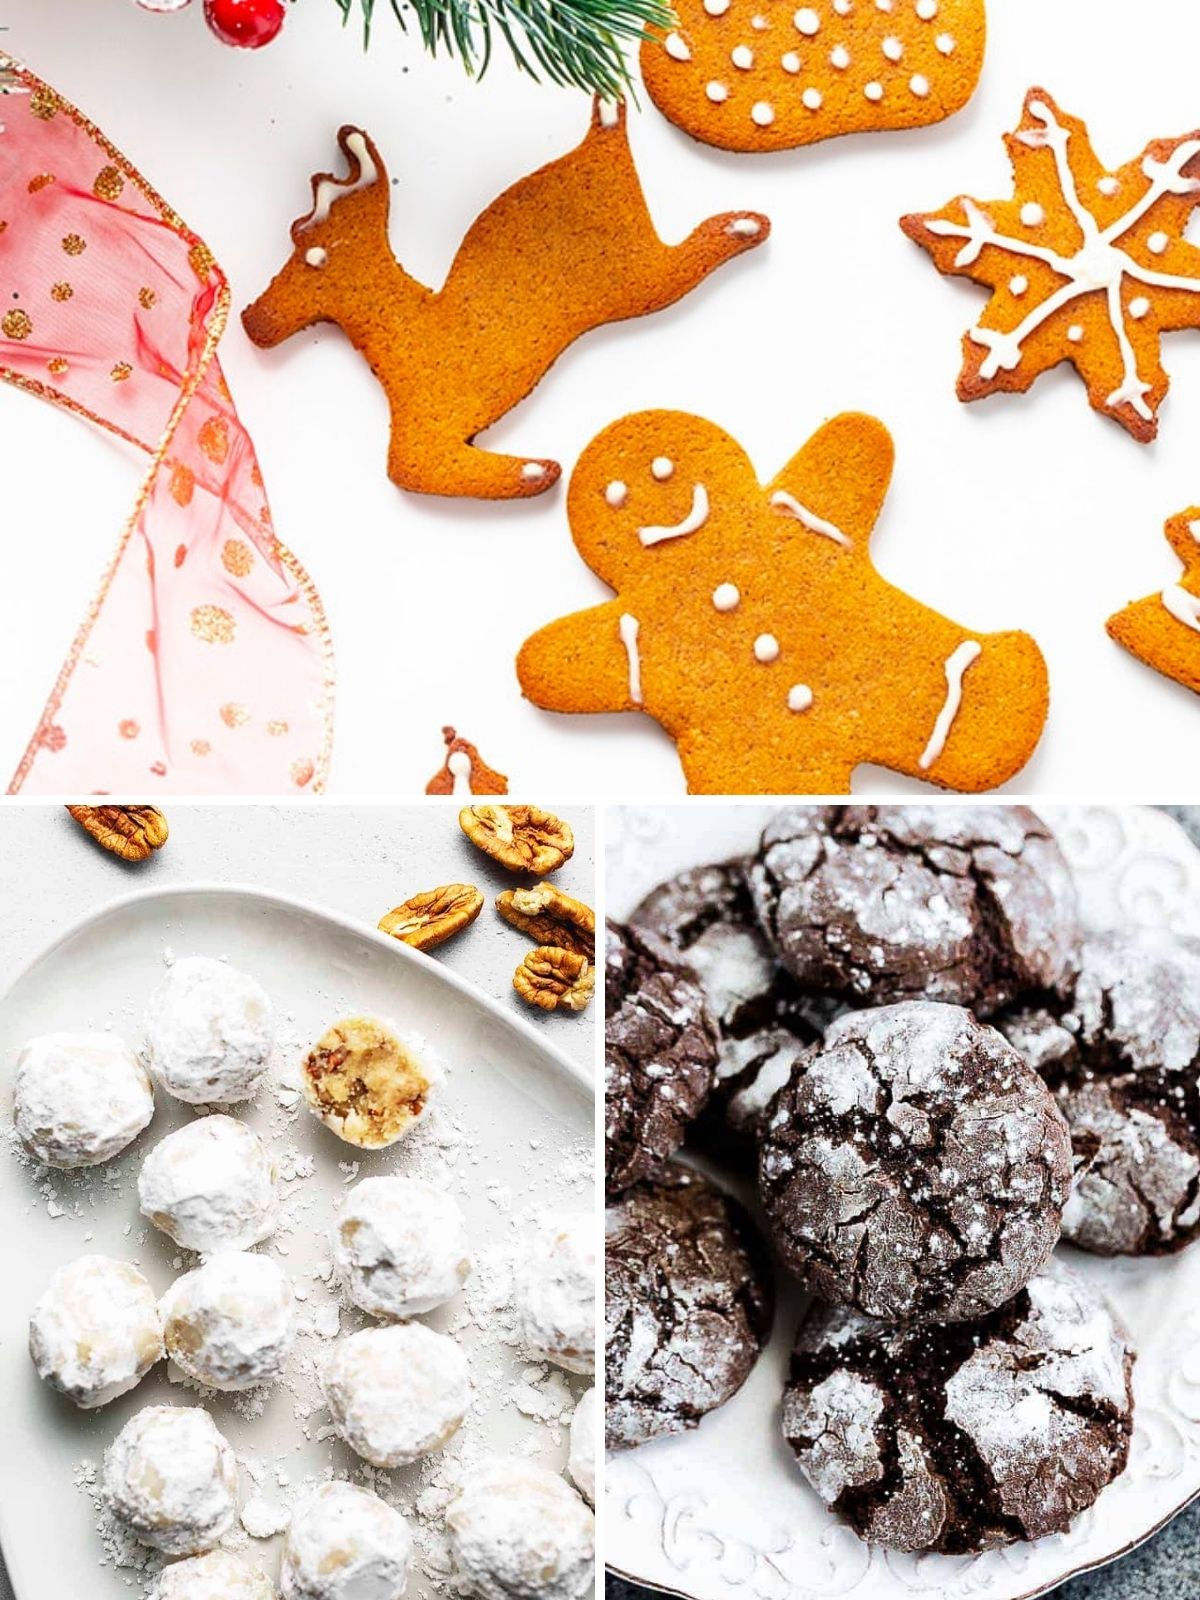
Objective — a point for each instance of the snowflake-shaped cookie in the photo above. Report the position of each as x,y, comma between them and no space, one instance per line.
1086,264
1163,630
750,622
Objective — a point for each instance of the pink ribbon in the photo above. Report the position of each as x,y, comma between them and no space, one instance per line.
204,664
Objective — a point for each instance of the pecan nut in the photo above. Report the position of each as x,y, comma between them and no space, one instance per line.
429,919
550,917
131,832
522,838
549,977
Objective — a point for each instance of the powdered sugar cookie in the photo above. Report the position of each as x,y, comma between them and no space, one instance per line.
170,1478
95,1332
556,1293
400,1246
345,1543
396,1393
1086,264
230,1323
219,1575
1164,629
208,1032
517,1531
210,1185
367,1083
751,623
748,76
79,1098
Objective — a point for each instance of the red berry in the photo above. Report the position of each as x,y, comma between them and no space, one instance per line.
249,23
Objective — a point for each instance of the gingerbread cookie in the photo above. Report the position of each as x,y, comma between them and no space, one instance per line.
464,770
743,76
1085,264
1164,629
567,249
751,623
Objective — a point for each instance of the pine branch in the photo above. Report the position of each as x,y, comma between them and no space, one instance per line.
576,42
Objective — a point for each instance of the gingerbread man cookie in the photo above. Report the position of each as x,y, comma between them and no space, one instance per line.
752,625
743,75
1086,264
566,249
1164,629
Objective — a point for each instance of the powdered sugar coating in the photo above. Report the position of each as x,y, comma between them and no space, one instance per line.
970,1435
518,1532
79,1098
210,1185
965,904
219,1575
345,1543
95,1332
915,1167
170,1478
396,1393
556,1293
581,1462
208,1032
400,1246
231,1323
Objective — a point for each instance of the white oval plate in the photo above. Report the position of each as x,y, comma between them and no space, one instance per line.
723,1513
510,1134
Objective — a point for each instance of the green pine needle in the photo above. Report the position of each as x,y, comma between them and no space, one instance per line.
576,42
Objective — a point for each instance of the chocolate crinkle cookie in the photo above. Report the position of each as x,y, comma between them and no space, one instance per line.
1122,1055
972,905
688,1304
660,1054
914,1166
966,1436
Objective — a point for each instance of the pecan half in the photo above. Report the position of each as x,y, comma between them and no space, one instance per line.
131,832
429,919
522,838
550,917
549,978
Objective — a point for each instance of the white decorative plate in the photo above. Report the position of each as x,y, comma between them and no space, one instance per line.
510,1134
723,1513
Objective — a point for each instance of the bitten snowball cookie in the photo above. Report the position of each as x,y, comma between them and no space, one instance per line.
581,1462
79,1098
556,1293
95,1333
366,1083
345,1543
400,1246
210,1186
170,1478
208,1032
216,1576
230,1323
519,1532
396,1393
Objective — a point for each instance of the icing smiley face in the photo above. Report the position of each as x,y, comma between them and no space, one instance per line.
751,624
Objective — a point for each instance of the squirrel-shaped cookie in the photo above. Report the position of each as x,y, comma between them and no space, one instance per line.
751,623
1164,629
565,250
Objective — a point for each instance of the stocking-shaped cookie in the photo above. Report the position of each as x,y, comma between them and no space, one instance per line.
1164,629
464,770
750,622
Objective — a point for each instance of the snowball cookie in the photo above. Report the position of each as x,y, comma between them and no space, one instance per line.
210,1186
968,1436
967,904
1122,1055
367,1083
208,1032
556,1292
519,1532
914,1166
400,1246
230,1323
79,1098
396,1393
581,1462
217,1576
170,1478
95,1333
345,1543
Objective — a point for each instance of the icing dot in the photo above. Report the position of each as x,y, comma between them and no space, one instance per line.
533,469
807,21
883,5
839,57
676,48
1032,214
726,596
1108,185
317,256
1157,243
759,24
616,494
742,56
800,697
662,467
919,84
716,8
927,10
1018,285
762,114
874,91
843,7
892,48
716,92
946,43
766,648
790,62
1139,308
1075,333
812,99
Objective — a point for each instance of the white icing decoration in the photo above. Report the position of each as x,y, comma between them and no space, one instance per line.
790,62
766,648
874,91
742,57
800,697
815,524
813,99
807,22
716,92
662,467
616,494
759,23
716,8
610,113
956,670
1184,607
533,469
745,228
726,596
1018,285
762,114
839,58
947,44
695,519
1157,243
1139,308
1100,264
676,47
893,49
330,190
630,629
927,10
1108,185
1032,214
317,256
1075,333
919,85
458,764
